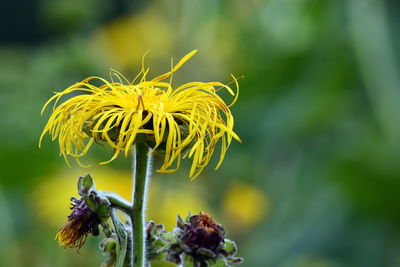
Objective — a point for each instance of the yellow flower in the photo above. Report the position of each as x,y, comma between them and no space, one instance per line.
167,201
122,41
188,121
245,205
50,198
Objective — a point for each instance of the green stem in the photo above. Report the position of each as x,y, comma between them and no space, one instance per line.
142,166
118,202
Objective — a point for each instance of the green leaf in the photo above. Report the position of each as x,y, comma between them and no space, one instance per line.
219,263
122,239
230,247
85,184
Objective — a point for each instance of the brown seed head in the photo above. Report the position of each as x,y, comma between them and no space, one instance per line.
81,222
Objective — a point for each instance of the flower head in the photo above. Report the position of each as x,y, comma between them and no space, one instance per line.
81,222
187,121
203,232
201,241
88,212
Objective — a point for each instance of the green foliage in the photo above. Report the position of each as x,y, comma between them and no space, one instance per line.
317,113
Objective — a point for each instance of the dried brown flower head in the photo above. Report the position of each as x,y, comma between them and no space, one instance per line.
81,222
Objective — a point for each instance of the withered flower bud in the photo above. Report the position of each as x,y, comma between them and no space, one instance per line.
200,241
88,212
203,233
81,222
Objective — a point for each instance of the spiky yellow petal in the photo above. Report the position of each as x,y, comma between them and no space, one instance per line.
118,111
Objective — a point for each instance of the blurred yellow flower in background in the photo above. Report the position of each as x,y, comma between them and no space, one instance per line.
123,41
167,202
51,196
244,205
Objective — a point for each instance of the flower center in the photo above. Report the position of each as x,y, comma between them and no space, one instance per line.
207,223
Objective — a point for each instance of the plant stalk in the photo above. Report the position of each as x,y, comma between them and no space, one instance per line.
141,173
118,202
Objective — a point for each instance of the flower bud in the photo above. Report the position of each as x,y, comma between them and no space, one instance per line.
200,241
85,184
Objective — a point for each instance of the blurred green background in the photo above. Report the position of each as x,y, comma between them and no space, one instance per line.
316,181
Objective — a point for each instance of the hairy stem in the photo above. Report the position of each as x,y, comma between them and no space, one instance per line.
141,172
118,202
